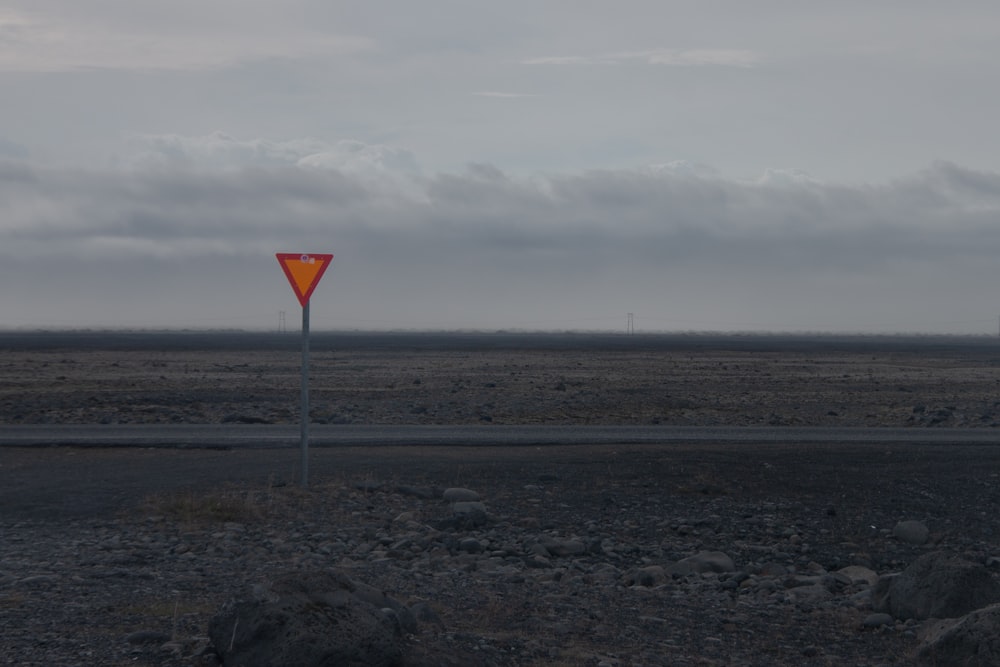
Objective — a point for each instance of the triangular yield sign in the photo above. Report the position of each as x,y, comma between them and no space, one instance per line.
303,272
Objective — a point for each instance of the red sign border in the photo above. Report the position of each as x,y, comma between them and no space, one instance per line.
284,256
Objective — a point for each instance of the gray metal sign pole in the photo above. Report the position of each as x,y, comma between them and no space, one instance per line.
303,272
304,480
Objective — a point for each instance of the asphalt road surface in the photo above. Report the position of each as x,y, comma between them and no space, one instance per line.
247,436
57,473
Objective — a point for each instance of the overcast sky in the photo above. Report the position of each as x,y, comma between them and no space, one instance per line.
713,165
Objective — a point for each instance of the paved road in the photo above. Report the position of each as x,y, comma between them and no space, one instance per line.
245,436
65,473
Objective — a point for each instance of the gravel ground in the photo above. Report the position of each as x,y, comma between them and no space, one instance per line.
114,557
552,379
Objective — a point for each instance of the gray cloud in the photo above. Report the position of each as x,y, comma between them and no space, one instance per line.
65,37
660,56
481,248
940,208
502,95
220,150
12,150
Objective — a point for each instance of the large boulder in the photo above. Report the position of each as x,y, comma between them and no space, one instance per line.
311,620
936,585
971,641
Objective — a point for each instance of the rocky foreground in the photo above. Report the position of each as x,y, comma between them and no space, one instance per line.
578,556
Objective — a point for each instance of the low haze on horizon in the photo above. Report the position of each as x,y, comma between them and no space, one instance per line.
706,165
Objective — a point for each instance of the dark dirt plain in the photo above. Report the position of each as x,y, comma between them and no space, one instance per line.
837,500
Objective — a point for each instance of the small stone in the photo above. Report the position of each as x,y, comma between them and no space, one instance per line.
858,574
704,561
911,532
470,507
455,495
470,545
876,620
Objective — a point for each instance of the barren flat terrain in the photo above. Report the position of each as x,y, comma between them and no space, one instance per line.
501,378
177,532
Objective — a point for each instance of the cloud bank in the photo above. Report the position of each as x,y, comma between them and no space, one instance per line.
666,210
675,243
222,151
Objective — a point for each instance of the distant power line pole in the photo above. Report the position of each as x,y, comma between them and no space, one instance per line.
281,322
630,324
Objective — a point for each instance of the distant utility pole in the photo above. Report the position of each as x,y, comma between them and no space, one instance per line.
281,322
630,324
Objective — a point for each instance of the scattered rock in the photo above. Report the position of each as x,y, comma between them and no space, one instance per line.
911,532
936,585
858,574
308,620
703,561
556,566
971,641
649,576
560,548
456,495
877,620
